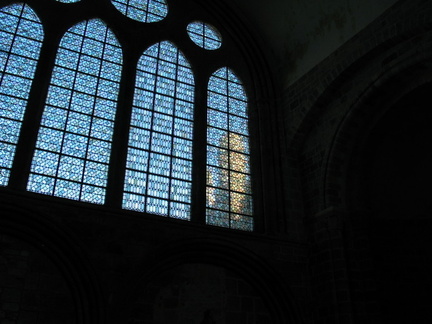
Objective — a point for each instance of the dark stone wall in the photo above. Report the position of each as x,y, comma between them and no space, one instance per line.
351,158
123,267
32,289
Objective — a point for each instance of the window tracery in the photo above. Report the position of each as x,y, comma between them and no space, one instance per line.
84,104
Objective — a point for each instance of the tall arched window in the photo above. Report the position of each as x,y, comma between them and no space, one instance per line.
74,141
159,163
21,36
229,196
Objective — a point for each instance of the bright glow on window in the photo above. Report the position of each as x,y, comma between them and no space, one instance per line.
204,35
74,140
229,199
147,11
159,164
21,37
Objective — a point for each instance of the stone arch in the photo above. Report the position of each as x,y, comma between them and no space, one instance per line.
383,92
264,280
39,233
360,94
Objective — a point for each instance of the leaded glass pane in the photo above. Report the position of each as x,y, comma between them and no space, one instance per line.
74,141
68,1
204,35
159,163
21,36
146,11
229,196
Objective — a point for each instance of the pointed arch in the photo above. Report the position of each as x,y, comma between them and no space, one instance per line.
21,35
159,162
74,140
229,196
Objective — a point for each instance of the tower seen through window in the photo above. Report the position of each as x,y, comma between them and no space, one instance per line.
82,132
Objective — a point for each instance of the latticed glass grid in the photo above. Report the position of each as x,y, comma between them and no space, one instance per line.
146,11
159,163
204,35
229,196
74,140
21,36
68,1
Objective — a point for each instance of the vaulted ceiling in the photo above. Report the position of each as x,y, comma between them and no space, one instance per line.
301,33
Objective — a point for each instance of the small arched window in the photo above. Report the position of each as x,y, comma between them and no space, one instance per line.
21,36
74,140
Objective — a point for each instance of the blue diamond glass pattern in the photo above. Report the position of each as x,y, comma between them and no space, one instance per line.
74,141
229,197
21,36
146,11
159,162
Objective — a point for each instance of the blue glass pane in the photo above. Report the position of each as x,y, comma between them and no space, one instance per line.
204,35
160,136
147,11
157,206
132,201
160,164
41,184
229,194
217,217
6,153
67,189
93,194
157,186
74,141
179,210
68,1
49,168
21,36
182,169
241,222
137,182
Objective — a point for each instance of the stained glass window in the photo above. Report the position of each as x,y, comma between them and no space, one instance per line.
74,140
159,163
204,35
229,197
21,37
147,11
68,1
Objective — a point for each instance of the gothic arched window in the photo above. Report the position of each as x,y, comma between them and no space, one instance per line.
137,109
159,164
74,140
229,198
21,36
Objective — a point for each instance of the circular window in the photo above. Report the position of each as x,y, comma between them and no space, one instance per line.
204,35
